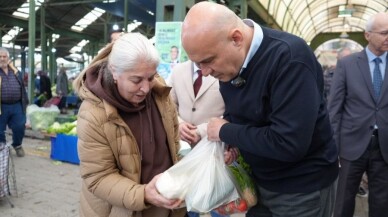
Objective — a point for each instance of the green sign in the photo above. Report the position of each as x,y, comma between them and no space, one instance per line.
168,43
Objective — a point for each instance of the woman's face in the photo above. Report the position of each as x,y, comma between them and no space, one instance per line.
134,85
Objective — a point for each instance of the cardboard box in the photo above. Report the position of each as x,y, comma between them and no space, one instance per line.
64,148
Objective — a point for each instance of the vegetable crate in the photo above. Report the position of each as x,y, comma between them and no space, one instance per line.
64,148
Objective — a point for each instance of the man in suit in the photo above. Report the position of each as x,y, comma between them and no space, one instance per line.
196,104
358,109
194,110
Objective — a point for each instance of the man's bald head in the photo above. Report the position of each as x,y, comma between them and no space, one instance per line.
216,39
205,17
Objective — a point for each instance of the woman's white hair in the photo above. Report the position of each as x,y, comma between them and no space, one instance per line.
130,49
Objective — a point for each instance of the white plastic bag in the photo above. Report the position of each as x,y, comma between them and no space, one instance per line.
201,178
41,117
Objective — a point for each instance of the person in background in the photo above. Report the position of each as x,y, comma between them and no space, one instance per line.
327,78
197,99
43,88
13,102
329,72
62,89
127,132
358,108
275,112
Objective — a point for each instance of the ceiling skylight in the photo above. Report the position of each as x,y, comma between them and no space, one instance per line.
88,19
24,10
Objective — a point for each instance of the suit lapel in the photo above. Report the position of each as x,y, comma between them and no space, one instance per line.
206,84
385,82
363,65
188,82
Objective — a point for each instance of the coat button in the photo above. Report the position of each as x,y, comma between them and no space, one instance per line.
193,109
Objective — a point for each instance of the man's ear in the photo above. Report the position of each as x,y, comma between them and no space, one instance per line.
237,37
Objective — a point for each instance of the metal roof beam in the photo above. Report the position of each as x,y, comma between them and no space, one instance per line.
24,24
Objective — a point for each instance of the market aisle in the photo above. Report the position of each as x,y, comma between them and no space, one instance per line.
45,187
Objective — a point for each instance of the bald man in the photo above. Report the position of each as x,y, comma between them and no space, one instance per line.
275,112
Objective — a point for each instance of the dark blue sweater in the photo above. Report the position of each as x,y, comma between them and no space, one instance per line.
278,119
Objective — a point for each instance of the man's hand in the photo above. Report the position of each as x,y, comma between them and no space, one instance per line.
10,64
152,196
230,154
214,127
188,133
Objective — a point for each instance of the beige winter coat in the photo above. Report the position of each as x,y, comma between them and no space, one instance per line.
110,159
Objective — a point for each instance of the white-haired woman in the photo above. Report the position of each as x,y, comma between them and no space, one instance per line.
127,132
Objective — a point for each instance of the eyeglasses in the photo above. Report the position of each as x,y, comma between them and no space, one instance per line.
383,33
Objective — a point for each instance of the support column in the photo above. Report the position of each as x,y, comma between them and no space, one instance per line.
126,15
43,40
240,7
31,51
52,61
171,10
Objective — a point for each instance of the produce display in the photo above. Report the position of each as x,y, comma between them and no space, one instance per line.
40,117
67,128
246,187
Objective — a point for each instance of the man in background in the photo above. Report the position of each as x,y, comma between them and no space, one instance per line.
329,72
14,101
358,107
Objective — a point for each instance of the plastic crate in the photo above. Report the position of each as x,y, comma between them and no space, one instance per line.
64,148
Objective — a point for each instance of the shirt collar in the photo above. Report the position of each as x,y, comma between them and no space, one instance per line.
256,41
371,56
195,67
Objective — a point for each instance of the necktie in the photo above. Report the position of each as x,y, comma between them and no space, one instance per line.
198,82
377,79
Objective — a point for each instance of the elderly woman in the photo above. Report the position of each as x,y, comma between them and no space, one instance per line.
127,132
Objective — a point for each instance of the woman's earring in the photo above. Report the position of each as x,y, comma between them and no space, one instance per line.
115,81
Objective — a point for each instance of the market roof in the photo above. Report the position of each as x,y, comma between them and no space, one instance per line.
308,18
73,22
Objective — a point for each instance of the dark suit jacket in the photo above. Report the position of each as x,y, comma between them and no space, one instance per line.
353,109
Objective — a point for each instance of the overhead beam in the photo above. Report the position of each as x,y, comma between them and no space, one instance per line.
323,37
263,13
24,24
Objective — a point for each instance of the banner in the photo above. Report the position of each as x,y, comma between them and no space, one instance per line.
168,44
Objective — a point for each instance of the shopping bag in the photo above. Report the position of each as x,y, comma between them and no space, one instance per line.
201,178
4,163
246,188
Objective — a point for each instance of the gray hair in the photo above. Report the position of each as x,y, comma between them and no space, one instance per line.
129,50
369,23
4,50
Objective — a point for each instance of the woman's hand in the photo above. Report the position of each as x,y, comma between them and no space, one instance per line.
152,196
